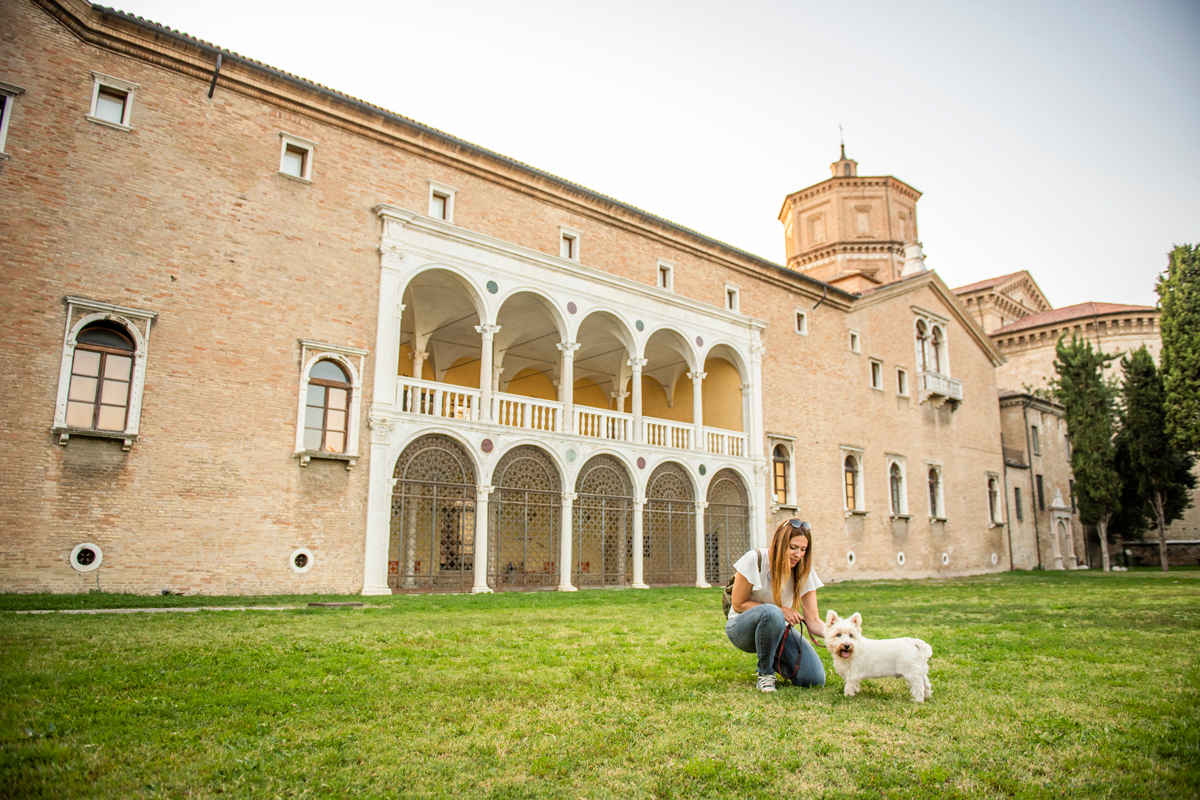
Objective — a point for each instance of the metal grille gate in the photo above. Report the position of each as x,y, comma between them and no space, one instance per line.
526,521
431,545
669,527
603,525
726,526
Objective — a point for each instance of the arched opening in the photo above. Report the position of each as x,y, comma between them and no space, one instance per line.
528,363
525,521
922,345
851,471
437,329
726,525
896,489
781,464
101,377
721,394
326,407
603,525
667,390
669,527
431,543
602,363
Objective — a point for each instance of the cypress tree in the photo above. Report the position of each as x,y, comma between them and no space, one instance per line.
1155,462
1088,410
1179,323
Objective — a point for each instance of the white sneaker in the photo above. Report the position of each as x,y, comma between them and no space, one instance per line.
766,683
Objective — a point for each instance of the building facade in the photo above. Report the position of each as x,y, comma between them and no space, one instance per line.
275,339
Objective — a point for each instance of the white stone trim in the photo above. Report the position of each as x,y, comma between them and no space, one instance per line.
801,322
308,560
938,513
309,148
445,192
127,88
128,318
900,462
997,519
860,503
664,275
344,356
792,500
875,366
855,341
902,376
73,559
733,297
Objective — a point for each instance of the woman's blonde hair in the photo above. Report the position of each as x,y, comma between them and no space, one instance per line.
787,530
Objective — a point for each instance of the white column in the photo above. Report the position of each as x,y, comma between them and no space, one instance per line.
496,373
418,359
488,332
564,556
567,376
618,400
639,506
635,384
698,408
481,540
754,427
379,504
700,582
387,329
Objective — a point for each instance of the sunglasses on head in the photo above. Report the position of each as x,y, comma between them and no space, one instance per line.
800,525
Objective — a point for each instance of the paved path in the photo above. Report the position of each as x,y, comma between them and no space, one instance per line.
166,610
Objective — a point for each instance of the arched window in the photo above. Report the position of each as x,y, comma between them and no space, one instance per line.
101,375
846,170
326,408
896,484
922,345
993,500
779,464
935,349
851,468
935,492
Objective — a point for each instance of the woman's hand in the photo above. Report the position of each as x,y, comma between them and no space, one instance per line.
791,616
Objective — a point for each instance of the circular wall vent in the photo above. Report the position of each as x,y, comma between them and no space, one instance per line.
301,560
945,559
900,558
850,557
995,559
86,557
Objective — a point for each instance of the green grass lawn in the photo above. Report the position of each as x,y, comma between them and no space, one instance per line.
1045,685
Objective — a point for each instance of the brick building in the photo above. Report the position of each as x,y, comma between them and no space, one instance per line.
272,338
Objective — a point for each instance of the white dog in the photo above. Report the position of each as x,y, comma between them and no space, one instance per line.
856,658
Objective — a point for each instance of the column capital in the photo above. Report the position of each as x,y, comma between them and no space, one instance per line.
569,497
756,351
701,505
638,363
488,331
745,387
697,376
418,354
618,395
568,348
484,490
639,503
400,308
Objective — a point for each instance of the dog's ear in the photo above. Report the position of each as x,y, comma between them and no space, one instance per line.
831,617
856,620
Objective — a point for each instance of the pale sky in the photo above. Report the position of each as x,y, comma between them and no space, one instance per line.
1058,137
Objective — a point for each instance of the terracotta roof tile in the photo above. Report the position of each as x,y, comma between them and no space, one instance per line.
1080,311
989,283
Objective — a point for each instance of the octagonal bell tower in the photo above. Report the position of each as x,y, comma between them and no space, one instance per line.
851,231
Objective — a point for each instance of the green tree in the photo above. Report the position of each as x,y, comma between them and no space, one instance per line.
1153,459
1088,409
1179,323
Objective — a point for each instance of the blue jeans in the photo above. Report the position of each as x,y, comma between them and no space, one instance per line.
760,629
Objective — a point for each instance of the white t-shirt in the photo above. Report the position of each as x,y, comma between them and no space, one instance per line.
760,583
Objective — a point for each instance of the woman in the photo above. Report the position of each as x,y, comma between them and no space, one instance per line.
764,605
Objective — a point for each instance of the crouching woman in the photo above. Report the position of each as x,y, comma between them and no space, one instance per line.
765,602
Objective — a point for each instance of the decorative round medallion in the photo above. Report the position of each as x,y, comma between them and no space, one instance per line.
900,558
850,557
703,469
699,341
641,462
641,326
571,455
486,445
572,308
492,287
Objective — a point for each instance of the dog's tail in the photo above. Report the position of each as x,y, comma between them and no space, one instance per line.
923,648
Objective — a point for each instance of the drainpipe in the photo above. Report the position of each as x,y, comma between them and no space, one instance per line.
1033,497
1007,514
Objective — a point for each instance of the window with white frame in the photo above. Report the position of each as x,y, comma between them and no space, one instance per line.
296,157
569,239
876,374
441,201
8,94
855,342
937,509
902,381
666,275
112,101
897,491
102,372
930,340
1035,442
330,399
993,496
732,295
852,471
802,322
